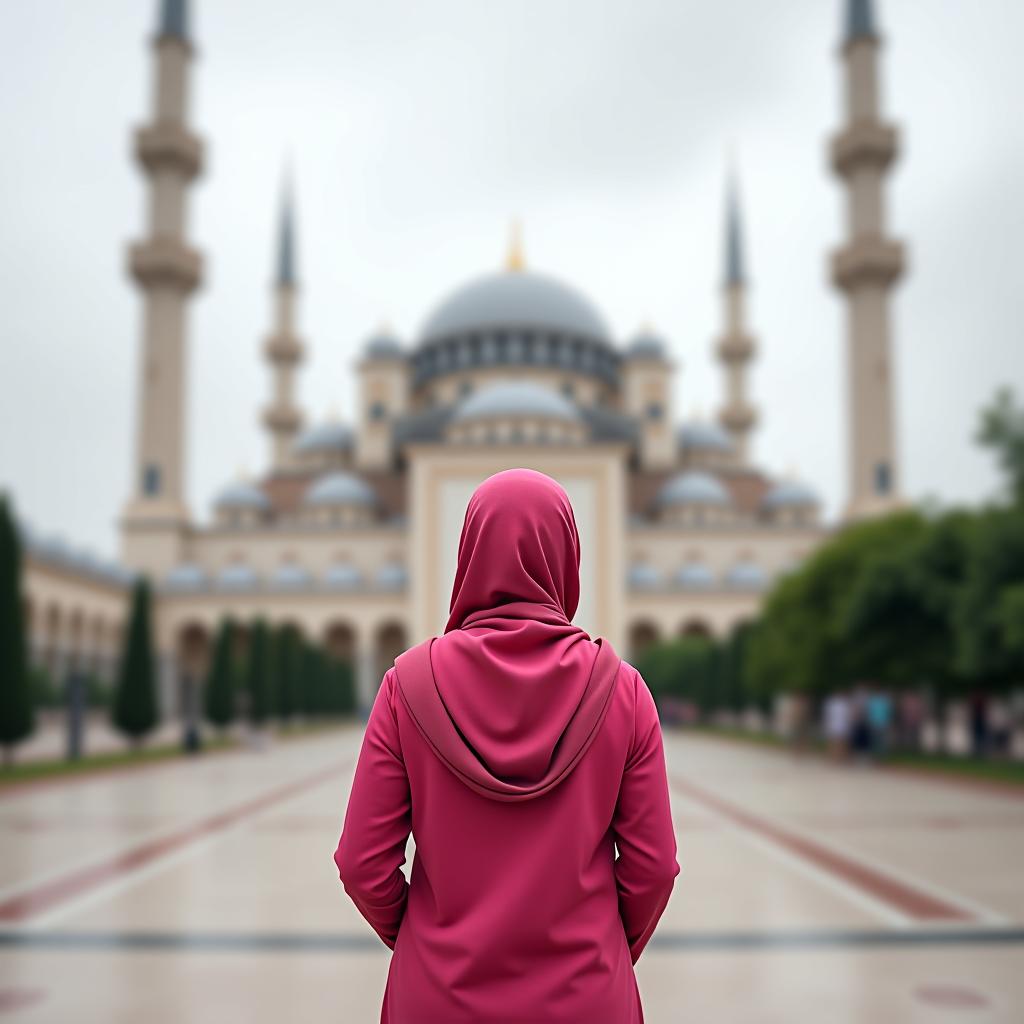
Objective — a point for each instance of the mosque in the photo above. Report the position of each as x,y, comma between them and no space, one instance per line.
350,532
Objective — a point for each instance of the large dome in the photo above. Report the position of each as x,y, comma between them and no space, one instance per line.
515,299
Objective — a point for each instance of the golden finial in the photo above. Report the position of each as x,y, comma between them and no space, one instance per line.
515,260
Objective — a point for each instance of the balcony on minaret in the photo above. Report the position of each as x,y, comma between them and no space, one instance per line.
283,349
868,259
865,143
737,417
282,418
735,347
169,145
166,261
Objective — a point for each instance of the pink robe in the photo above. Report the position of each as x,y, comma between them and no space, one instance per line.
520,760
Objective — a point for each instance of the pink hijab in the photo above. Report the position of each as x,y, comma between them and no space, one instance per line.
513,675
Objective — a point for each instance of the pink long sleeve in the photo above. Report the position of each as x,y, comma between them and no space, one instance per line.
646,866
378,820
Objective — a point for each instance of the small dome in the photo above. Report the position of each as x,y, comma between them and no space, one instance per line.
391,576
242,495
340,488
704,435
332,436
646,345
643,576
747,575
383,345
695,575
187,576
789,494
515,299
343,576
694,487
516,398
237,577
289,576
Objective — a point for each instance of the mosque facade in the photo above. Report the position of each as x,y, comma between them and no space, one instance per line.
350,533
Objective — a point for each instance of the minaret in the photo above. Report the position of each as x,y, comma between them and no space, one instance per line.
283,349
865,269
167,270
735,346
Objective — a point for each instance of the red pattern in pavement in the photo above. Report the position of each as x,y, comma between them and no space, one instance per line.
913,902
42,897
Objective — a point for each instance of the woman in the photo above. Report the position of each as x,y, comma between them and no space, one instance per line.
519,753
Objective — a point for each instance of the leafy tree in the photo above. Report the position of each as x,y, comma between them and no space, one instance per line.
258,673
682,669
731,694
989,634
219,692
135,711
17,713
799,642
898,618
1001,428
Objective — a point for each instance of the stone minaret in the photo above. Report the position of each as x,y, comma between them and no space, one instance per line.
865,269
283,349
167,270
735,346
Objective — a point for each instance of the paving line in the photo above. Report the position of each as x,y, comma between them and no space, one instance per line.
662,942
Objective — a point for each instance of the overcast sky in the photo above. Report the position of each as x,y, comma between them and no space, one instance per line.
418,130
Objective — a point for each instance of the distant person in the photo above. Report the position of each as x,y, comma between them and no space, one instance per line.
1000,725
519,753
911,720
879,714
837,725
978,707
860,726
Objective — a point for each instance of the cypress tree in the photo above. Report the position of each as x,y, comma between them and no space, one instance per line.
258,671
219,694
306,689
285,656
135,711
296,673
17,713
345,682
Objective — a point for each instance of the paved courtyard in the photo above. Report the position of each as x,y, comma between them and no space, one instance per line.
205,891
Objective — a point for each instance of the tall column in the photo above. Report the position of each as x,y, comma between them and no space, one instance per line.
735,346
167,270
283,349
865,269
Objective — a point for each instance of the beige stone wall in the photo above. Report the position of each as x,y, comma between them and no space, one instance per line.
443,479
73,621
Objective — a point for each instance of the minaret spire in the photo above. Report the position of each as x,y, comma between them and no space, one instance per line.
735,346
865,269
174,18
286,275
734,262
860,20
283,349
167,270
